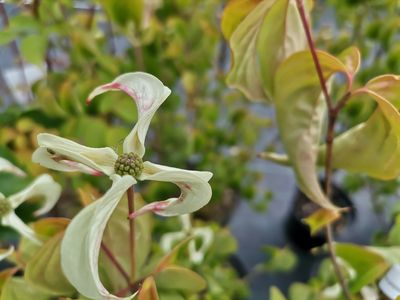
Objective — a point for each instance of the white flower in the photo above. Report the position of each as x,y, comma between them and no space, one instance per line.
206,235
81,243
43,186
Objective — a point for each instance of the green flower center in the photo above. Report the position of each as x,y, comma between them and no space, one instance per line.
129,164
5,207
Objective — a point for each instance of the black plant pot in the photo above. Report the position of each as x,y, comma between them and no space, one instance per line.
299,233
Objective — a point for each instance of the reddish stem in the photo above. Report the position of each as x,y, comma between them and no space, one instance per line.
332,116
131,208
115,262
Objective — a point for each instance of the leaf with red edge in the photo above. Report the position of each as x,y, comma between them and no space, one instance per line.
148,290
373,147
5,274
351,58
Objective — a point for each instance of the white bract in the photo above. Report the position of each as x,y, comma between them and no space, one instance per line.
206,235
81,244
43,186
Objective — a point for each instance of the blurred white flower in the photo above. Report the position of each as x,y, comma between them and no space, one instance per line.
206,235
43,186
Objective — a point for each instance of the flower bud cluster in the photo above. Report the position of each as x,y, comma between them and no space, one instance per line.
129,164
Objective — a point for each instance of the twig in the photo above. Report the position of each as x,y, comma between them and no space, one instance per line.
90,18
35,13
131,208
110,32
115,262
332,116
306,25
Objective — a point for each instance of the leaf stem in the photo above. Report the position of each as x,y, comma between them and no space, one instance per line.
131,208
332,117
115,262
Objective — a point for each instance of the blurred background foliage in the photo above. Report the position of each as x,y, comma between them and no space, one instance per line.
78,45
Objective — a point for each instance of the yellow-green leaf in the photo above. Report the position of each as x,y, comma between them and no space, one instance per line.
373,147
182,279
281,35
351,58
15,288
369,266
33,48
49,227
5,274
320,219
148,290
44,270
269,33
234,13
245,72
300,111
276,294
390,254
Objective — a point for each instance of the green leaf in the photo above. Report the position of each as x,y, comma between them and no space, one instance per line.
279,259
7,36
372,147
300,110
320,219
15,288
368,265
124,11
301,291
33,49
270,33
182,279
394,233
44,270
276,294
